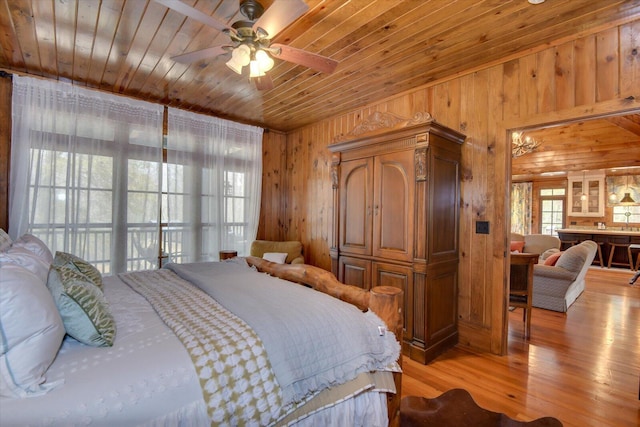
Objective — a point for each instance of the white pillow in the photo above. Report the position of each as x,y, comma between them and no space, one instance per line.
5,240
31,332
277,257
27,259
35,245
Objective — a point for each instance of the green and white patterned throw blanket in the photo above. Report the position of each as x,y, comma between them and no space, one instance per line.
238,384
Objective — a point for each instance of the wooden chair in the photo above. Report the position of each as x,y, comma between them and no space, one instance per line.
521,286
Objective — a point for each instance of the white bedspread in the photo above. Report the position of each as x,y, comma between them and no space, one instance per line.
313,340
147,379
147,369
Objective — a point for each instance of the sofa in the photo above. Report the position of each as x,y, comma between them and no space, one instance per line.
556,287
542,244
292,248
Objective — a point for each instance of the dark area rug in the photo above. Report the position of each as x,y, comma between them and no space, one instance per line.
456,408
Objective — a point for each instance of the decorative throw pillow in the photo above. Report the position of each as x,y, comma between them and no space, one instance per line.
63,259
517,246
26,259
31,332
82,306
5,240
552,259
35,245
277,257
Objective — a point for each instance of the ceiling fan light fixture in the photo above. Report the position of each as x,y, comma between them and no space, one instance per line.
265,62
254,69
239,58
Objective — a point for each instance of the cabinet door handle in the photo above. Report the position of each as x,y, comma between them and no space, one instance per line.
375,210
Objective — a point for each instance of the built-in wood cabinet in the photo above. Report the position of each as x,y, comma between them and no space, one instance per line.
396,210
586,194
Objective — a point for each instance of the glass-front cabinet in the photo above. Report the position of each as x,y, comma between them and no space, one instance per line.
586,193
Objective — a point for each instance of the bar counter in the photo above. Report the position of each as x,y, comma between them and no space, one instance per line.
616,240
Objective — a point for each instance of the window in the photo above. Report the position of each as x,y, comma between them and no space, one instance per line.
214,179
626,214
552,207
90,179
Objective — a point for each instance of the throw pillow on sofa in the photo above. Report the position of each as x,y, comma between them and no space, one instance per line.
517,246
552,259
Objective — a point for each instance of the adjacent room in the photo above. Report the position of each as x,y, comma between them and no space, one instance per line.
456,185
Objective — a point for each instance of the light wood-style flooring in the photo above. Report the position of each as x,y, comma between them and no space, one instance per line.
582,367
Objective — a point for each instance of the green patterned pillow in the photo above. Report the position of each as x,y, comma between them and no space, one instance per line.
82,306
64,259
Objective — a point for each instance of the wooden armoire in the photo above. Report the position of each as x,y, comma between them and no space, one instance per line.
396,195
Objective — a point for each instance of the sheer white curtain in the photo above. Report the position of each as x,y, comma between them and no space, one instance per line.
212,186
86,172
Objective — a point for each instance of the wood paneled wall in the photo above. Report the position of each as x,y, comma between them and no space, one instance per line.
592,75
274,181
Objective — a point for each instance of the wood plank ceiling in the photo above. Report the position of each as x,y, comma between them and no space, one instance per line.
384,47
605,143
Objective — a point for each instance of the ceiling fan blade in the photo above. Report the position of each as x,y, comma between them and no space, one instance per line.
263,82
192,13
197,55
279,15
302,57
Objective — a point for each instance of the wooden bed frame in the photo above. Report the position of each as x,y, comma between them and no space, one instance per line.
385,301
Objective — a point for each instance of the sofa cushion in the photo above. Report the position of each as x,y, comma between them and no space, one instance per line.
539,243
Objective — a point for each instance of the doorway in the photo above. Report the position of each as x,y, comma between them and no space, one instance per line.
572,141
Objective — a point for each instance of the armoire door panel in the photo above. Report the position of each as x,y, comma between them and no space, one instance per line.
393,205
441,302
355,272
443,206
398,276
356,206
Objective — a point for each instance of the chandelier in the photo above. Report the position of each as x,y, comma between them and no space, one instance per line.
521,146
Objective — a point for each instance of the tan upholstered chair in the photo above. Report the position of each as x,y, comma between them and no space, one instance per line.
292,248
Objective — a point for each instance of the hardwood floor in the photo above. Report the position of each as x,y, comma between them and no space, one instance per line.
582,367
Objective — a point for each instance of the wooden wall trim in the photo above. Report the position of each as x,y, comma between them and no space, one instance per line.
5,147
611,107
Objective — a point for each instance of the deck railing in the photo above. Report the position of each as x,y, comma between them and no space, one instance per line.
96,243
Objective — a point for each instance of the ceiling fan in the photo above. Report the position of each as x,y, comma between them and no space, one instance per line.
250,39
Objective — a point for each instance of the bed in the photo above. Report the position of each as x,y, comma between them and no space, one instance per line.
273,354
